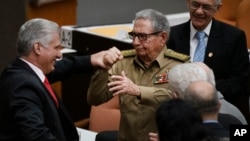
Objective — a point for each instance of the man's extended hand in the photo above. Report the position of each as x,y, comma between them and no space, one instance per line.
106,59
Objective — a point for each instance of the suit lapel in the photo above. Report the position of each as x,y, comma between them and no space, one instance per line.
185,39
214,41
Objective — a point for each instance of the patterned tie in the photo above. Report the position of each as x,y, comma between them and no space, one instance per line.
201,47
51,92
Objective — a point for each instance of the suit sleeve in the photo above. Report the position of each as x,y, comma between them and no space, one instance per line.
70,65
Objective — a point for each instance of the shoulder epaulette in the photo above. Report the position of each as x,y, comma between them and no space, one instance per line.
128,53
176,55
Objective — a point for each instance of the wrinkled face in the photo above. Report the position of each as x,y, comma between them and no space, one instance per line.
147,42
48,54
202,12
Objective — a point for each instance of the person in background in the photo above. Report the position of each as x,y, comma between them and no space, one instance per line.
182,75
223,49
202,96
29,109
226,107
140,78
178,121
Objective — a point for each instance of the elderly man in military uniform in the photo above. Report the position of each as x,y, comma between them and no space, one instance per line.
140,78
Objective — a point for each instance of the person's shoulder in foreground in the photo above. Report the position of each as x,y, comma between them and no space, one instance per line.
186,124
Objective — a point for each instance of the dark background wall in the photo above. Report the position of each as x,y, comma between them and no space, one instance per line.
12,15
99,12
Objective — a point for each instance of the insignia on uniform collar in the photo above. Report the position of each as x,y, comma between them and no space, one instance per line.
161,78
128,53
176,55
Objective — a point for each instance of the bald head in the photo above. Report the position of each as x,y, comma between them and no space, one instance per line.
202,96
202,89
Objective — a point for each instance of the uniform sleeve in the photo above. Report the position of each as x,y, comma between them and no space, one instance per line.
154,95
98,91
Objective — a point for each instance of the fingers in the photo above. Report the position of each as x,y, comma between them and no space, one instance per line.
118,84
153,137
111,57
106,59
123,74
116,88
116,52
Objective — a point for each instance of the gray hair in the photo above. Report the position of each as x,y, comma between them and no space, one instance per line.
35,30
218,2
159,20
208,71
180,76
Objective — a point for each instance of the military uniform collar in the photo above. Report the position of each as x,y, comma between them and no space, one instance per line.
161,57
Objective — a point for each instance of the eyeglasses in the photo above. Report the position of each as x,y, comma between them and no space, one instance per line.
141,36
205,7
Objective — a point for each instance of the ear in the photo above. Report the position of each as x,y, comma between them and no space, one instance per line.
174,94
37,48
219,105
218,7
164,36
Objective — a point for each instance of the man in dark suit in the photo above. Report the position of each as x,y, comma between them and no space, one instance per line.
28,110
225,50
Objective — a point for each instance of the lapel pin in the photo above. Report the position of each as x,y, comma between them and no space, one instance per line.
210,54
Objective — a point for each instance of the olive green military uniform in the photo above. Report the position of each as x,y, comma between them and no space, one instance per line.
137,114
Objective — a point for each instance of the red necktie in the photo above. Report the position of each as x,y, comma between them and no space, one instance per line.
51,92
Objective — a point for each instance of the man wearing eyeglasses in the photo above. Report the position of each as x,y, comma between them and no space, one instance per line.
140,79
225,50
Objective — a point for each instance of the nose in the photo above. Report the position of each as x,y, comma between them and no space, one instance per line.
59,55
200,9
136,39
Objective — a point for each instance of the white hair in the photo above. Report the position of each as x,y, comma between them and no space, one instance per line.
180,76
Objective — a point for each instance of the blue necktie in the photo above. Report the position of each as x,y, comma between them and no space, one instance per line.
201,47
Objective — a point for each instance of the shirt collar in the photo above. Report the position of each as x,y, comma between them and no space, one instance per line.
161,57
193,30
38,71
210,121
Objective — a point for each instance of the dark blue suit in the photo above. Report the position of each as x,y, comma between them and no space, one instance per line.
218,129
27,112
226,54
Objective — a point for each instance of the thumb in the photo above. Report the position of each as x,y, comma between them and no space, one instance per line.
123,74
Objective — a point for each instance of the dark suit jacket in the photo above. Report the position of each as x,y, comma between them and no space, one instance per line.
226,120
229,59
26,110
218,129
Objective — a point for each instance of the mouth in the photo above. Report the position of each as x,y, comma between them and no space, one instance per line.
198,17
54,61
